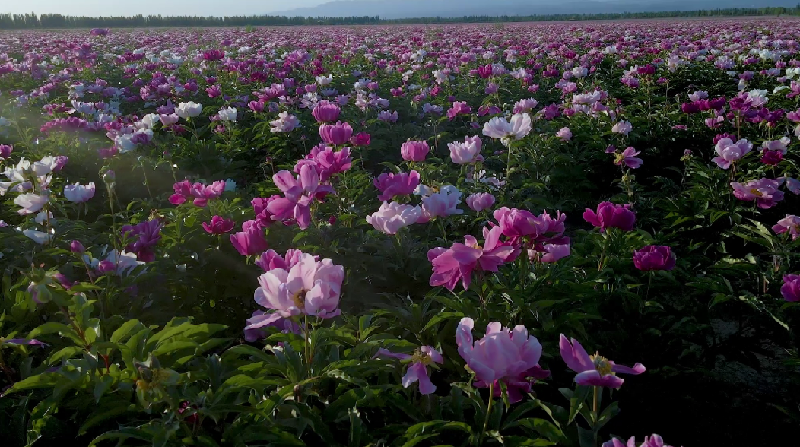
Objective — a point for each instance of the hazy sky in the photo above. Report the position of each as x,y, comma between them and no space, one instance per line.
163,7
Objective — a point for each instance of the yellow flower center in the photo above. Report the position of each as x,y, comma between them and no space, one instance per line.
299,299
421,357
602,365
756,192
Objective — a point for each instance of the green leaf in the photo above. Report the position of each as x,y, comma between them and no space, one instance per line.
519,412
586,438
542,427
521,441
125,331
104,414
608,414
443,316
54,327
102,386
44,380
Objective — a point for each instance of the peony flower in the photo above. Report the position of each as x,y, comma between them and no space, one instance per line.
622,127
168,120
299,194
555,252
335,134
414,150
119,263
270,259
649,441
629,158
38,236
502,355
654,257
310,287
417,370
393,216
772,152
252,333
729,152
30,203
218,225
388,116
188,110
594,370
391,185
326,112
459,261
515,223
227,114
250,241
467,152
480,201
285,123
498,128
328,161
610,215
790,223
360,139
145,236
203,193
79,193
441,204
791,288
5,151
764,191
525,105
793,185
458,108
76,247
564,134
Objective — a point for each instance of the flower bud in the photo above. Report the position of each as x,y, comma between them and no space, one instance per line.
76,247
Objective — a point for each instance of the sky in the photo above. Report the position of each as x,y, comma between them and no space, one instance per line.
146,7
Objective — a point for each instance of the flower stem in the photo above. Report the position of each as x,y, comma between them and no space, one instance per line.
595,409
508,169
488,412
307,346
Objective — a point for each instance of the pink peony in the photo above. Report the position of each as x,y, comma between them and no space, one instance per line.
336,134
480,201
610,215
594,370
393,216
729,152
459,261
310,287
502,355
467,152
790,224
391,185
414,150
764,191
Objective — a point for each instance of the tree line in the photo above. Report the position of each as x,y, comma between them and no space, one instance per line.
58,21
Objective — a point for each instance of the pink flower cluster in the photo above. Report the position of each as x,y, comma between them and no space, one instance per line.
542,237
144,237
199,193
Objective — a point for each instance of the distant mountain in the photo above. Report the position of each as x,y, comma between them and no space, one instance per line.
397,9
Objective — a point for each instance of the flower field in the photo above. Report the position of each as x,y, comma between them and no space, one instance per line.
572,234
